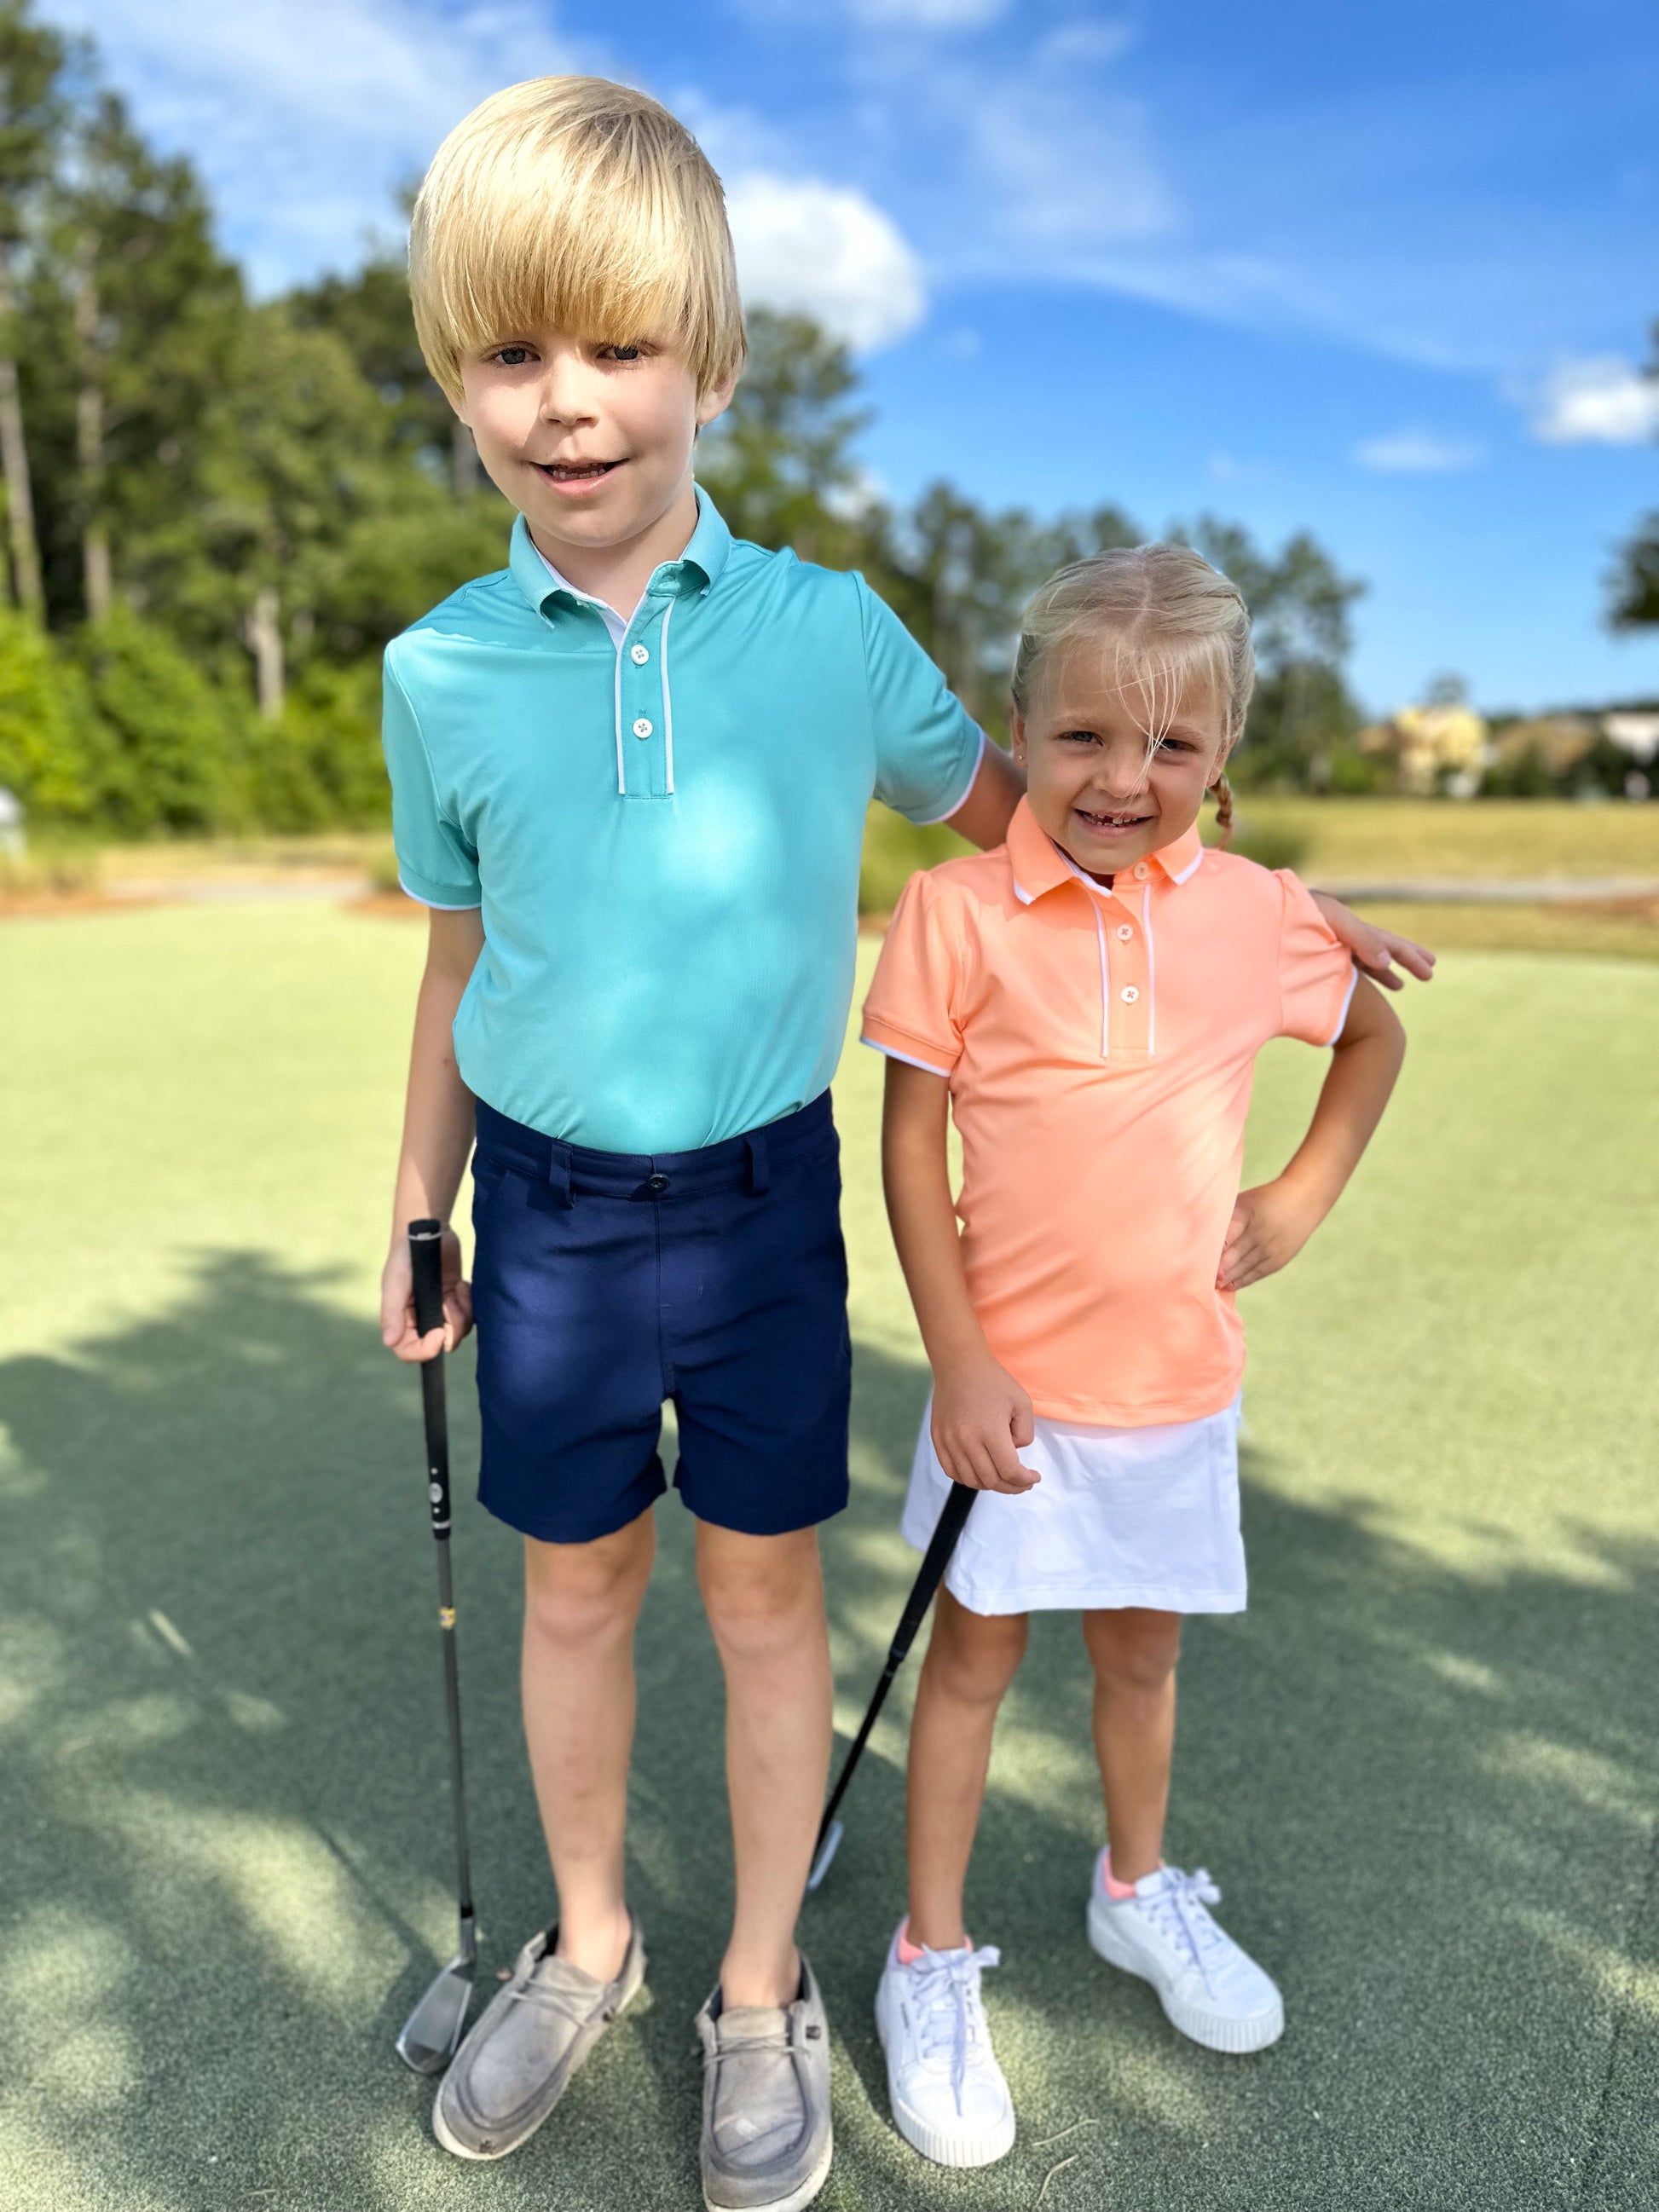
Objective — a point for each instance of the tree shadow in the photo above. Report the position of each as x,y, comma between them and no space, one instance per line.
1430,1796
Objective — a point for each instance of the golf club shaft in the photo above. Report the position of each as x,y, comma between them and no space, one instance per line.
426,1261
935,1559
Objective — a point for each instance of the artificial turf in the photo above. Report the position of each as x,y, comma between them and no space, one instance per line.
1423,1767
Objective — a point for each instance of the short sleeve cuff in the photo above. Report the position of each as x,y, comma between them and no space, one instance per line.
977,754
925,1053
1347,1001
448,898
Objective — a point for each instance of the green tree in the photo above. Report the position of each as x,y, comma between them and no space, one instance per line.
779,463
132,313
960,575
162,750
44,726
314,532
1302,717
31,110
370,312
1633,585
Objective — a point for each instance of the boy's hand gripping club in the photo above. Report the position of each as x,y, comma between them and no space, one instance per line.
432,2034
951,1520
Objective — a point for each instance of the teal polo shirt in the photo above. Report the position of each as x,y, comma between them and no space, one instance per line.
662,826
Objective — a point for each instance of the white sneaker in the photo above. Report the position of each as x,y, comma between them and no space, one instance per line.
1209,1987
949,2099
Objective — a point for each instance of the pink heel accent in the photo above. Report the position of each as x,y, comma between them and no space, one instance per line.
1116,1890
908,1953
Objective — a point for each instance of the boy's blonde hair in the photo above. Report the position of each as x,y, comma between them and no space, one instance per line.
572,203
1168,618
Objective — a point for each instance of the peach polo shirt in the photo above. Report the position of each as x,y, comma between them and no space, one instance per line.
1099,1046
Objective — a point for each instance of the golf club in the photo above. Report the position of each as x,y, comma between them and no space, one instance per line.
432,2034
943,1542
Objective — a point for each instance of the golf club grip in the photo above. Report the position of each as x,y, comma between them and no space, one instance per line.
426,1261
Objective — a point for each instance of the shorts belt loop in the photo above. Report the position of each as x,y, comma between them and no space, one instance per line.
558,1170
759,1180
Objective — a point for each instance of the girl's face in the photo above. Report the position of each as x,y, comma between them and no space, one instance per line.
1084,747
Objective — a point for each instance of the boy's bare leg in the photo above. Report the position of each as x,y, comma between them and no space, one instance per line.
972,1659
1133,1652
580,1604
764,1598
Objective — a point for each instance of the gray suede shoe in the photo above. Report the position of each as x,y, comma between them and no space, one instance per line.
766,2137
518,2060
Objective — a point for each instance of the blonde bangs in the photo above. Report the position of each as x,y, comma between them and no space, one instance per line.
1162,618
574,204
1154,675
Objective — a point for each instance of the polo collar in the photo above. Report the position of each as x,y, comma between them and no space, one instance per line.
700,565
1039,865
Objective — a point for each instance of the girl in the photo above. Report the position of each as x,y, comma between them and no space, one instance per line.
1089,999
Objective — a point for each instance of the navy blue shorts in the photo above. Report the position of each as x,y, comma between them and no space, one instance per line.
605,1283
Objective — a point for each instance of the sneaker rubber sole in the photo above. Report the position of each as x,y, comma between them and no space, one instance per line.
984,2148
798,2198
1216,2030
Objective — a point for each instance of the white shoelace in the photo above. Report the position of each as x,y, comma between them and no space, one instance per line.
1177,1910
948,2015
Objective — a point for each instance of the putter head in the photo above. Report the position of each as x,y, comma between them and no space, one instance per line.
833,1835
432,2034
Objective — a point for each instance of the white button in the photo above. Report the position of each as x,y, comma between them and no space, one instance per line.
638,655
1128,994
1125,932
1142,871
642,728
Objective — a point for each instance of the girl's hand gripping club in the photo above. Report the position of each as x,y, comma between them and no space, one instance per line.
432,2034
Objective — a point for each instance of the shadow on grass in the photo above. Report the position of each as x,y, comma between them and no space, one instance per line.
1429,1796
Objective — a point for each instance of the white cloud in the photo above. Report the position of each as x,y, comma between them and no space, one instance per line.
1416,453
928,14
827,252
1060,164
1602,401
304,116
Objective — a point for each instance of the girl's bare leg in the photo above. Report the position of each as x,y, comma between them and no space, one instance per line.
971,1660
1133,1652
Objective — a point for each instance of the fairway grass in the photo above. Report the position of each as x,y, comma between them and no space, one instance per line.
1423,1767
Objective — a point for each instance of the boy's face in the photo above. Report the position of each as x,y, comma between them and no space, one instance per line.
591,441
1090,782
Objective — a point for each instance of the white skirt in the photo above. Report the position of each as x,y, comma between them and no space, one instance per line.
1121,1516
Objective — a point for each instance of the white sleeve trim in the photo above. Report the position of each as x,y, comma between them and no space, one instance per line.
439,906
1342,1020
888,1052
931,821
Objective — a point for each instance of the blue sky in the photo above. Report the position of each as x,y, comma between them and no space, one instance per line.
1388,274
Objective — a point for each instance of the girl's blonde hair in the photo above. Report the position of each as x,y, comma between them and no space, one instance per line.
1168,618
572,203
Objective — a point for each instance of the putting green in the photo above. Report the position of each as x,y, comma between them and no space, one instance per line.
1423,1767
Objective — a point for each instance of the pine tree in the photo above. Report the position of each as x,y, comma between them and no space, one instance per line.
32,61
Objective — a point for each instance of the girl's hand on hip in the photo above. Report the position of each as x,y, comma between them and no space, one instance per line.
398,1331
1270,1225
982,1419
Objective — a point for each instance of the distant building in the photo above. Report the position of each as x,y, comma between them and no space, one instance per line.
1438,748
1635,734
1560,742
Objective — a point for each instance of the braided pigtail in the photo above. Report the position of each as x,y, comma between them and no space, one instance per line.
1223,806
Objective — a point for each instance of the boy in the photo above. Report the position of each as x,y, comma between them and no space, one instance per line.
629,775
